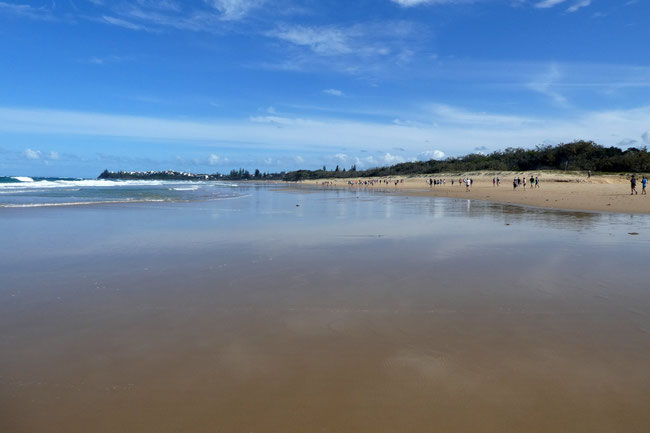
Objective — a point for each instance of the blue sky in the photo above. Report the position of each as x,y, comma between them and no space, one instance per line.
211,85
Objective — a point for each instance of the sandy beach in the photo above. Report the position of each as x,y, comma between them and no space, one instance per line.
557,190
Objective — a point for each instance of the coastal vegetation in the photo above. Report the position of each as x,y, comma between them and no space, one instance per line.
577,155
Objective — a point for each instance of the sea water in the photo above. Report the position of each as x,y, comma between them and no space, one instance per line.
22,191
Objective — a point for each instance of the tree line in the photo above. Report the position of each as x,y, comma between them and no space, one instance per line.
578,155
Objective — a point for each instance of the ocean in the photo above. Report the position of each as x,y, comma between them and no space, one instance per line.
203,307
44,192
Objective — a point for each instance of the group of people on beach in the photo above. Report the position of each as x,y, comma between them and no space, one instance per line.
468,182
644,184
373,182
436,182
532,182
517,182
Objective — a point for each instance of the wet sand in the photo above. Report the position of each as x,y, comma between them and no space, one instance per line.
572,191
353,312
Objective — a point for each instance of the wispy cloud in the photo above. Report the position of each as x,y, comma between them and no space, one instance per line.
362,49
235,9
334,92
579,5
364,40
545,4
455,131
545,84
27,11
321,40
411,3
210,16
32,154
431,154
96,60
124,23
214,159
451,115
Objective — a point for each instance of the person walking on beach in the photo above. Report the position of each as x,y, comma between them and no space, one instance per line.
537,182
644,183
524,183
468,184
633,185
532,182
514,183
498,181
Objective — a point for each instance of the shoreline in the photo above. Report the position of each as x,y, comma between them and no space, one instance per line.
560,191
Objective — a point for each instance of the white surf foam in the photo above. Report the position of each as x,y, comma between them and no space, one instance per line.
77,203
189,188
104,183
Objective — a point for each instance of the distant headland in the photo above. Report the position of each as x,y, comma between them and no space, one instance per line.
157,175
240,174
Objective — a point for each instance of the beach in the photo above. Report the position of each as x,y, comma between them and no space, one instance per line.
277,308
557,190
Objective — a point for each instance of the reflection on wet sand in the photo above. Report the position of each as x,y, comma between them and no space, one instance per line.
454,324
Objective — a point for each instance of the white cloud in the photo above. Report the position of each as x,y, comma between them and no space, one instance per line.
548,3
341,158
545,84
53,156
411,3
385,159
299,159
153,19
579,5
458,131
392,159
123,23
32,154
448,114
402,122
164,5
321,40
214,159
235,9
333,92
35,13
103,60
431,154
353,49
